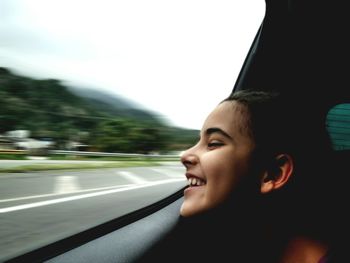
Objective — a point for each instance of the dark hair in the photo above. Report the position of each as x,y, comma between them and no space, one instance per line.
268,123
277,125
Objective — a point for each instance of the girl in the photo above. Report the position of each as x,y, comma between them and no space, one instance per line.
255,186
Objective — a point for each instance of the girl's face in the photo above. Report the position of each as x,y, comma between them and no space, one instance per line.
220,159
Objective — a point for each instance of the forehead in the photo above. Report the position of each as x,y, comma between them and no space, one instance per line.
231,116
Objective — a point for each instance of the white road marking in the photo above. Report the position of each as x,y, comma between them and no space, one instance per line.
66,184
55,194
169,173
132,177
126,175
76,197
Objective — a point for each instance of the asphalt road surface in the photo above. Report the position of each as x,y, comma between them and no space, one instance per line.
41,207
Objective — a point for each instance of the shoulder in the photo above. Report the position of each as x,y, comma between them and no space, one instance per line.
305,249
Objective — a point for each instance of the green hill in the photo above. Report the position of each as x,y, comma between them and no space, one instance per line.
52,110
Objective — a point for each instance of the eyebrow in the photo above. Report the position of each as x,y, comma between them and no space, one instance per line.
210,131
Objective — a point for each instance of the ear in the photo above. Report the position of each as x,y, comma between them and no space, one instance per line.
279,175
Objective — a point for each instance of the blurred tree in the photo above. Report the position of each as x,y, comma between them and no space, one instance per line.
49,110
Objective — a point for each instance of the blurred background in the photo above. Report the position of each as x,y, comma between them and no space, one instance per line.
97,101
116,76
42,114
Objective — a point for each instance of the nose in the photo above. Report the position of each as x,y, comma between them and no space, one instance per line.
189,158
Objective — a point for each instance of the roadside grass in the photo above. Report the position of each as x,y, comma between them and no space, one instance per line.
89,162
112,158
67,166
11,156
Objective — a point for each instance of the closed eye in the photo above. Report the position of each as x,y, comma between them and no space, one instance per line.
214,144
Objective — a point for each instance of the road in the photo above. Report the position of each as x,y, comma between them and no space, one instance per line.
39,208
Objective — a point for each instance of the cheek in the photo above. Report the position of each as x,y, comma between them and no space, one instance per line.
223,175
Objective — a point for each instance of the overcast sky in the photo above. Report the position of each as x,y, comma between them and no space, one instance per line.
176,58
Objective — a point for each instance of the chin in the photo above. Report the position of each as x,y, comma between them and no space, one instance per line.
189,210
184,211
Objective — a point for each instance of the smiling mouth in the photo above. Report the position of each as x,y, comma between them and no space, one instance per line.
192,181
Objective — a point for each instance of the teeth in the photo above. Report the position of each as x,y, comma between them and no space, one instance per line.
195,181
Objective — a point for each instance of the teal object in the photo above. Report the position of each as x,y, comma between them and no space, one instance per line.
338,126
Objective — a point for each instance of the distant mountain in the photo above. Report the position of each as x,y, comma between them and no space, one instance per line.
113,104
103,96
